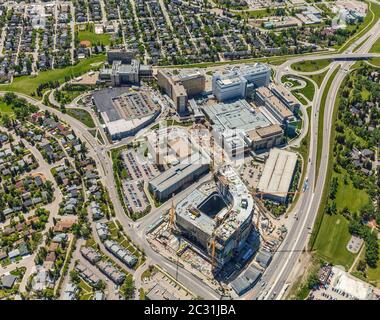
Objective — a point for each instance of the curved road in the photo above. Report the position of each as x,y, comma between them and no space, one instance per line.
286,259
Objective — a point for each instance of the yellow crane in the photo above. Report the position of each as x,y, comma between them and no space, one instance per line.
171,216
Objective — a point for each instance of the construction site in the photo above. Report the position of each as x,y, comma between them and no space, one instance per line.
218,231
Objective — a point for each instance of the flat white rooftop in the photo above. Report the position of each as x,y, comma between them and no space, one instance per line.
278,172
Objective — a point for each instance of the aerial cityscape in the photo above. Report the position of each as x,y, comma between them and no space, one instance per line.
190,150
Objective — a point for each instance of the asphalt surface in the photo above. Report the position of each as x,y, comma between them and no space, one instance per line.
285,260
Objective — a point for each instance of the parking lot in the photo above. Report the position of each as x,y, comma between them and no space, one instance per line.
161,287
251,173
139,172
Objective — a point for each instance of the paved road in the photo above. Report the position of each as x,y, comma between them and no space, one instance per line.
287,257
104,165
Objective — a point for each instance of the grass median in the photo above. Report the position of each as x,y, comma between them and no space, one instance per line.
321,120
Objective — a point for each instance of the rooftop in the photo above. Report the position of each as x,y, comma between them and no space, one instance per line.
235,115
278,171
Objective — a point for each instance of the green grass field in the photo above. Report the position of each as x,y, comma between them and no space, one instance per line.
348,196
310,65
83,116
318,78
256,14
307,91
373,274
4,108
28,84
69,95
376,47
294,82
375,62
332,239
300,98
90,35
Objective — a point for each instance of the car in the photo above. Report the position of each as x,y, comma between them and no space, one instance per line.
263,283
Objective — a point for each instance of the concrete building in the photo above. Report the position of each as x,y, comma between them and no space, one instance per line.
240,82
264,97
179,87
223,217
265,138
123,55
170,146
278,174
125,113
280,104
121,73
175,178
246,280
237,122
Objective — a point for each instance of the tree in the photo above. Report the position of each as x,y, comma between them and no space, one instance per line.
6,121
361,266
128,288
313,281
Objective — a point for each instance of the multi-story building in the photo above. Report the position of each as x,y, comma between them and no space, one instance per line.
123,55
219,221
265,138
238,121
177,177
179,87
240,82
121,73
280,104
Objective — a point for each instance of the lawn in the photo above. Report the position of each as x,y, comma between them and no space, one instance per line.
5,110
90,35
332,239
29,84
81,115
294,82
311,65
303,150
376,47
318,78
308,91
373,274
256,14
348,196
300,98
67,96
375,61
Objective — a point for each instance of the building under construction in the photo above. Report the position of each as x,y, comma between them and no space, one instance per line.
218,220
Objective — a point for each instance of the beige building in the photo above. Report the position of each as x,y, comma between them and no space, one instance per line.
181,86
265,138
